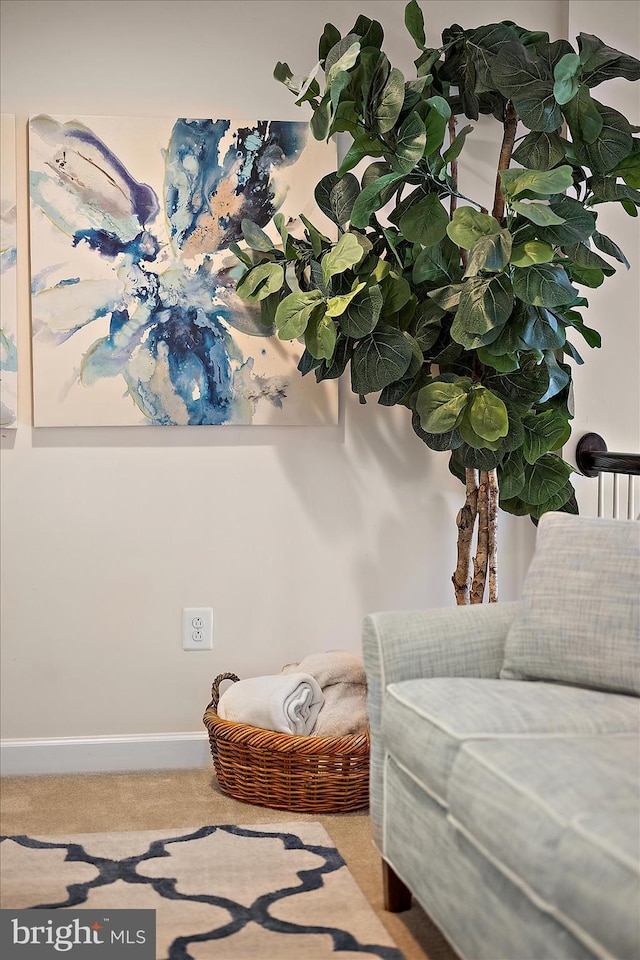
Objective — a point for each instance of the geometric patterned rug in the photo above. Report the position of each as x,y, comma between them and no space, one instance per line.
267,892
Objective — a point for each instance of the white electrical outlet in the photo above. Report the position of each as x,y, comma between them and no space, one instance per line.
197,628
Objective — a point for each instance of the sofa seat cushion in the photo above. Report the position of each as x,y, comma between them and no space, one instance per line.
561,818
425,722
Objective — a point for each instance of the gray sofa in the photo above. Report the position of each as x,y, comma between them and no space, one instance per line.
505,764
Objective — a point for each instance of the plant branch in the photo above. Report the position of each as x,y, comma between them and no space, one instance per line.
493,536
480,561
451,124
508,141
465,522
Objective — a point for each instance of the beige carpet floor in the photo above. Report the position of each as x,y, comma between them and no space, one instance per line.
100,803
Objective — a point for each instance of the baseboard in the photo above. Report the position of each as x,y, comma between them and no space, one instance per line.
104,754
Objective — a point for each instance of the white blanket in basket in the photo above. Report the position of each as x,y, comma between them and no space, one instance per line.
286,703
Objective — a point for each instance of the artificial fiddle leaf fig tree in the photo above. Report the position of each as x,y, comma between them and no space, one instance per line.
463,310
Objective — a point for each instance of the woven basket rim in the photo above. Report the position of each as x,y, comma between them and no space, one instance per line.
244,733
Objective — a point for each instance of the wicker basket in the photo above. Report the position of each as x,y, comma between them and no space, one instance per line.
287,772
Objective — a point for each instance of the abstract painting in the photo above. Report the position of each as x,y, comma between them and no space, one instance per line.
135,316
8,309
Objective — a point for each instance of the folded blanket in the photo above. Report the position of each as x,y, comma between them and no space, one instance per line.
343,681
344,711
286,703
332,666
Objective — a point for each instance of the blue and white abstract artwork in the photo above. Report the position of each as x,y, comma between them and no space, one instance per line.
134,311
8,307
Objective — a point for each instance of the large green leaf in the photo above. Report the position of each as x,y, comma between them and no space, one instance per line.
476,459
441,405
426,324
582,256
607,189
544,479
487,414
525,385
629,168
530,252
255,236
539,183
473,439
566,77
468,225
540,329
410,144
448,297
336,306
414,22
341,49
438,264
292,315
613,143
317,240
363,146
344,63
526,79
346,253
543,433
511,475
543,285
379,359
578,223
559,375
485,306
574,320
374,196
336,196
396,292
370,31
334,368
600,62
329,38
241,254
372,75
436,123
538,213
490,254
583,116
607,246
425,222
564,501
321,120
339,92
455,147
362,314
260,282
320,334
540,150
389,105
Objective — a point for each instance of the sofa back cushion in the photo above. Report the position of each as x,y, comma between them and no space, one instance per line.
579,617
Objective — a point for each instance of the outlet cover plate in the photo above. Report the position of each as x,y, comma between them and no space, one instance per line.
197,628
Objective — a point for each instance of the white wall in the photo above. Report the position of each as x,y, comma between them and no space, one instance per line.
607,387
290,534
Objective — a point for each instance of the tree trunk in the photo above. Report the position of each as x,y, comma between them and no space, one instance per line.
480,510
493,538
465,521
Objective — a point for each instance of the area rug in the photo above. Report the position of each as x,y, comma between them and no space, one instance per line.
268,892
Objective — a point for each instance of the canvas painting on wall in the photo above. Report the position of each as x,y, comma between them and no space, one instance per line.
135,316
8,308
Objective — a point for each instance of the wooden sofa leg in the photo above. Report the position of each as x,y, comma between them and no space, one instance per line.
397,896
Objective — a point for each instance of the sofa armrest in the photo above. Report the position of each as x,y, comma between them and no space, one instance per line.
406,645
464,641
